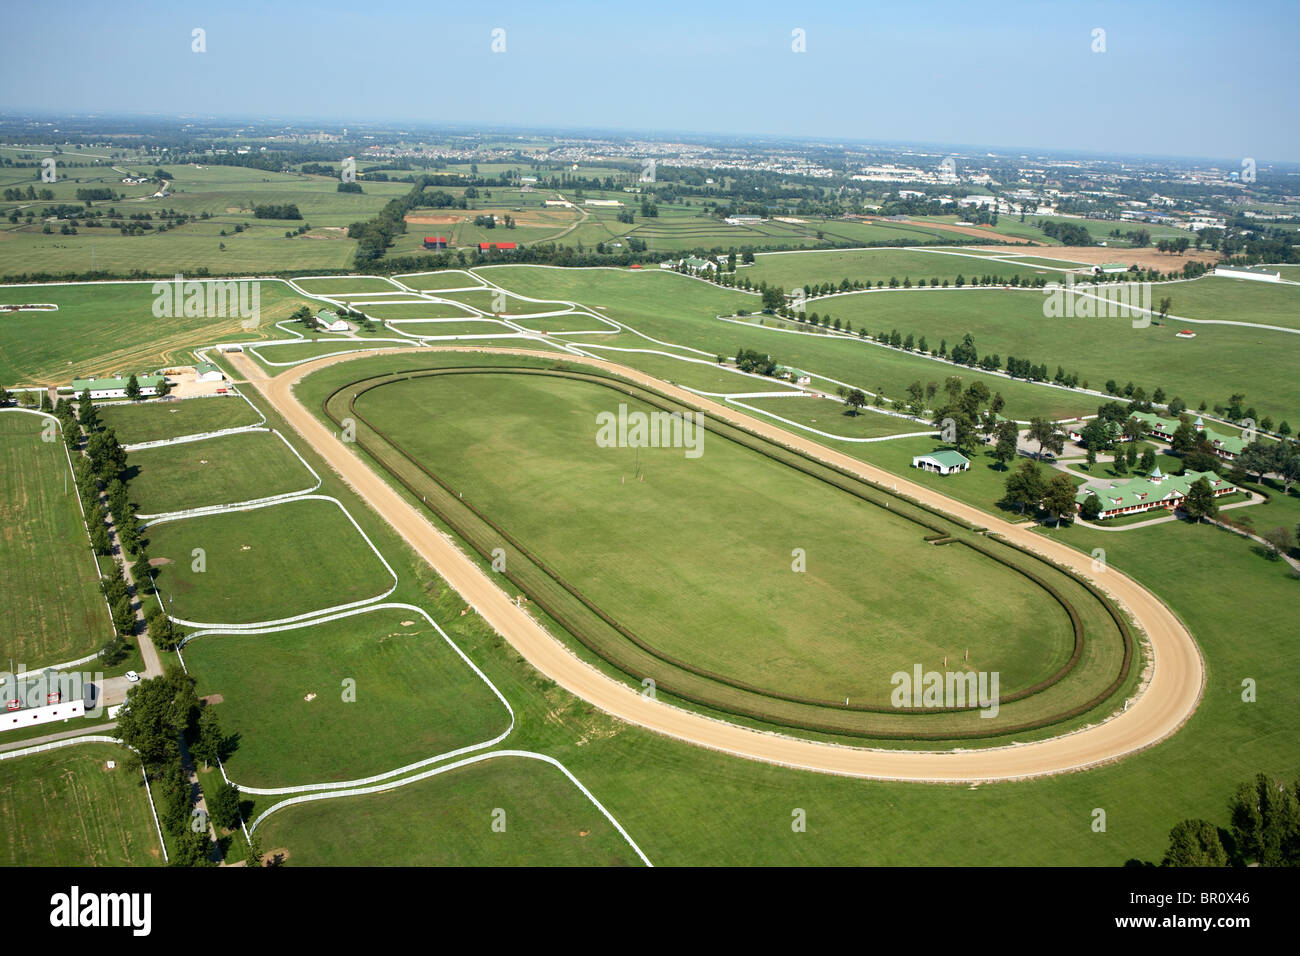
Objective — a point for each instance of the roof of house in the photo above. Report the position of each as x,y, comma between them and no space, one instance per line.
948,458
204,368
1138,491
485,246
442,239
116,381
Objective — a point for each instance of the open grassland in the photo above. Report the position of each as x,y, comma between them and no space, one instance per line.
547,820
135,422
697,373
418,310
801,633
445,327
104,328
388,690
224,470
302,351
344,285
66,808
434,281
265,564
1239,300
796,269
1219,361
50,600
680,310
833,417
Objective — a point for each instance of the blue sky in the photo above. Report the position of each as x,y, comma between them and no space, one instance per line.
1190,78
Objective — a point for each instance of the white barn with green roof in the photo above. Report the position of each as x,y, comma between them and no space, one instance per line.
1144,494
947,462
115,387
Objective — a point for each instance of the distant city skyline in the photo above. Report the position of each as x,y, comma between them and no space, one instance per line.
1014,76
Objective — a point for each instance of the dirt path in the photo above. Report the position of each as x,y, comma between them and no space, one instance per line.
1169,700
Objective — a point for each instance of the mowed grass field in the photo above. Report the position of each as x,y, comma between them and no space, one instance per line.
265,564
66,808
682,311
447,820
827,415
697,558
101,329
1240,300
137,422
228,469
433,281
50,601
1219,361
412,698
791,270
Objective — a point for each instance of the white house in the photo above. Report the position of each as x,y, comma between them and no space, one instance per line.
329,322
207,372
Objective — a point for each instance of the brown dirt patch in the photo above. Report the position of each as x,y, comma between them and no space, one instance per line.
159,562
434,220
213,699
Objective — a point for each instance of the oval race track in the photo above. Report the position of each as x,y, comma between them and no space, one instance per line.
1168,700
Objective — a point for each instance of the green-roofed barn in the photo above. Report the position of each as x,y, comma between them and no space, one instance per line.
1144,494
115,387
945,462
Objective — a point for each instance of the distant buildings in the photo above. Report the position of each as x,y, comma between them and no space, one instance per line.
501,246
435,242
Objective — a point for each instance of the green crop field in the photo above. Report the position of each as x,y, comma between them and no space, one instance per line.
156,421
50,600
224,470
66,808
547,820
265,564
411,697
103,329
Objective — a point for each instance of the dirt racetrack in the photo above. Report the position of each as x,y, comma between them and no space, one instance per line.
1170,696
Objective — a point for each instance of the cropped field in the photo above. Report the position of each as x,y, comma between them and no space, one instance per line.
50,601
347,284
266,564
418,310
451,327
214,471
414,698
135,423
1241,300
65,808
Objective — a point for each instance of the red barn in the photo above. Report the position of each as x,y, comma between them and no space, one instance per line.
502,246
635,265
435,242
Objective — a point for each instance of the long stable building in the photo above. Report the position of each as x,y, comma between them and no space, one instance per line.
1143,494
1226,447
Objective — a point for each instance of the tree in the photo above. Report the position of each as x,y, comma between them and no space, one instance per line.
1044,432
1200,502
1058,499
1025,487
1265,822
1148,461
855,400
1195,843
1258,457
1007,440
1091,509
223,805
1279,540
157,712
133,388
209,742
1097,434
